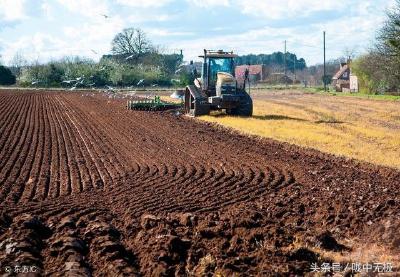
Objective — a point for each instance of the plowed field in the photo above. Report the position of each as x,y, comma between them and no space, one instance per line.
89,188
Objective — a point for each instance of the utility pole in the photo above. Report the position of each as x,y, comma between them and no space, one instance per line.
324,78
284,61
294,67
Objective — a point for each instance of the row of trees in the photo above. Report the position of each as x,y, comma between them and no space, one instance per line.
108,71
276,59
6,76
134,61
379,69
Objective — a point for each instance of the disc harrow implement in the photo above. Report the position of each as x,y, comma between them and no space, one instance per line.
155,104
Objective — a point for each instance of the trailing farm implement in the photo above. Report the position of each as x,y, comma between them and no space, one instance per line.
155,104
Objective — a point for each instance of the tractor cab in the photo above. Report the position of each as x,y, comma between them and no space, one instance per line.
216,62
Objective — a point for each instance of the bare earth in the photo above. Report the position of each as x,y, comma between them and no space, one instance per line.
90,188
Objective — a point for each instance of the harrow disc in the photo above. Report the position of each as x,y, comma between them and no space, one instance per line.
151,105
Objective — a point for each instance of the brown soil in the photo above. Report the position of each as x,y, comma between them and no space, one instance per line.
89,188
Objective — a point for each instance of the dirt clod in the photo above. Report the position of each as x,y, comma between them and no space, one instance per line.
328,242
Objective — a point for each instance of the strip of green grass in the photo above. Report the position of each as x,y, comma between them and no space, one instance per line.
358,95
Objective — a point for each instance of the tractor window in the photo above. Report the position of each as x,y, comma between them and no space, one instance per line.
220,65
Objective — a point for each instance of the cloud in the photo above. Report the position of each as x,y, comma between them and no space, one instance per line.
353,28
77,25
144,3
83,38
34,47
166,32
12,10
87,8
305,41
47,10
252,41
356,32
1,49
72,41
278,9
210,3
139,17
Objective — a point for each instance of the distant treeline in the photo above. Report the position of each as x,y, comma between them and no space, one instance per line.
276,59
151,70
6,76
134,61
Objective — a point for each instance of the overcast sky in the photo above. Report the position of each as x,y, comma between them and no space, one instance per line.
49,29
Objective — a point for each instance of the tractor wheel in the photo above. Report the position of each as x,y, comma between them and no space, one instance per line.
188,101
193,106
245,107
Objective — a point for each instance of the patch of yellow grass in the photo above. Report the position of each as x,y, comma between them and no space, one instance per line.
367,130
363,254
359,252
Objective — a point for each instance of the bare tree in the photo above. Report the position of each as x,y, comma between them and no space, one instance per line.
131,42
349,53
17,63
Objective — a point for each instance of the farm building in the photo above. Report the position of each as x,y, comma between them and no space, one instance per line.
344,80
257,72
278,78
193,65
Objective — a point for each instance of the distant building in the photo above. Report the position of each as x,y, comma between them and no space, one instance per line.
277,78
193,65
353,83
344,80
257,72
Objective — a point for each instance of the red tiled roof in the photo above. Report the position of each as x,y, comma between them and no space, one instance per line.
341,71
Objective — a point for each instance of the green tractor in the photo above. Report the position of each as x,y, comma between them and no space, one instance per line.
218,88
